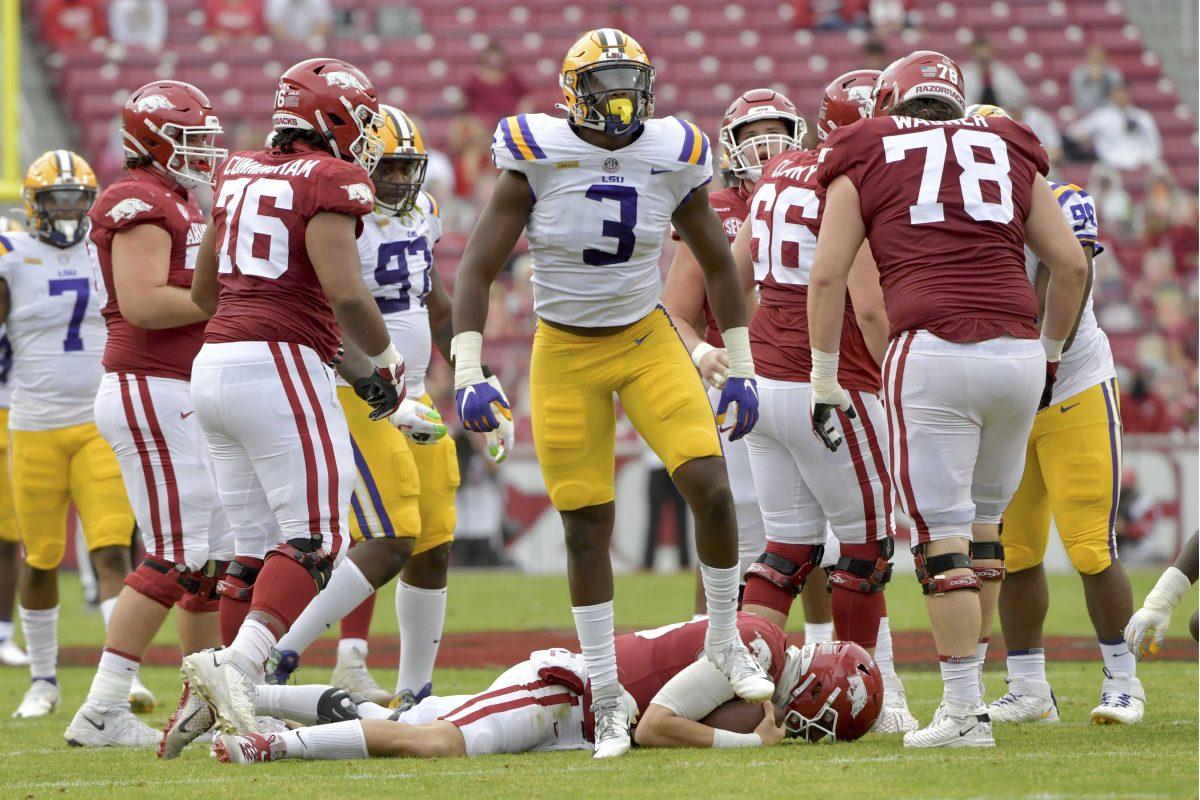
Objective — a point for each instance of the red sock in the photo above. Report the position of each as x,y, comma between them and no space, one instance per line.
283,589
761,592
357,624
856,615
231,612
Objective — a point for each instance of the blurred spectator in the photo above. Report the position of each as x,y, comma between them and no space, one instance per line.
138,23
1093,81
299,20
67,22
234,19
1042,125
891,16
494,90
1159,204
830,14
1114,207
1120,134
875,55
662,495
469,147
989,81
1182,237
1141,411
398,22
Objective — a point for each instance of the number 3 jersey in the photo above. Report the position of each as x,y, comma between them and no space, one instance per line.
1089,360
600,216
397,263
146,197
944,205
56,332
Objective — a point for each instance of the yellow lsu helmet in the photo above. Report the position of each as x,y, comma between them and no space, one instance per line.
984,110
401,169
608,82
59,189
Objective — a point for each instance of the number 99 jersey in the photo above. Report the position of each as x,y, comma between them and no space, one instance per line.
600,216
397,262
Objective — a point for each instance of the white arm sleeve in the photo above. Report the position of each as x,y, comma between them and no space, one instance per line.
695,691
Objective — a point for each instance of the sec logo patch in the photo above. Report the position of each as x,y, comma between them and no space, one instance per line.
732,226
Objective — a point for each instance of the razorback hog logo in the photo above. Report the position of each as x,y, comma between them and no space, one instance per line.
343,80
128,209
858,694
153,102
862,96
760,650
360,193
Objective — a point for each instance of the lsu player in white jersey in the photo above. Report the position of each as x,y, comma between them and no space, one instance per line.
1073,474
595,194
49,303
11,655
403,503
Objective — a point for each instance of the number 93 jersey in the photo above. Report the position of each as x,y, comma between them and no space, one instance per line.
56,331
600,216
397,263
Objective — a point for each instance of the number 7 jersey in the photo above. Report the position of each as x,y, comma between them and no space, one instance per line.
600,216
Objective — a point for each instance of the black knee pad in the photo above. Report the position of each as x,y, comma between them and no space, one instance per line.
308,553
865,575
929,569
238,583
336,705
992,551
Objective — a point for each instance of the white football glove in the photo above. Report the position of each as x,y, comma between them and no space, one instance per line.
420,423
713,363
1155,614
500,441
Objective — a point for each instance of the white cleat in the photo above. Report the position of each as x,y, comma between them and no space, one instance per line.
1027,700
141,699
252,748
94,726
954,725
355,677
747,677
895,717
224,686
192,720
1122,701
11,654
614,716
41,699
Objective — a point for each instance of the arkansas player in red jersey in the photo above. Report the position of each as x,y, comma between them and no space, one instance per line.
803,492
947,205
758,125
283,252
831,690
145,230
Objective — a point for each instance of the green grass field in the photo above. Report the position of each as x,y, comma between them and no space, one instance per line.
1073,759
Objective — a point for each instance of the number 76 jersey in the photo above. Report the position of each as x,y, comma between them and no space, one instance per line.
945,205
600,216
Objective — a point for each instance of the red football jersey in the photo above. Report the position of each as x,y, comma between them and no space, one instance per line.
147,197
730,205
264,200
945,205
785,218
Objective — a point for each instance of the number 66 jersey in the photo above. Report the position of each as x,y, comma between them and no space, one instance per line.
599,216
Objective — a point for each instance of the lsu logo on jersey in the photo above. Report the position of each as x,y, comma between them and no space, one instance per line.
128,208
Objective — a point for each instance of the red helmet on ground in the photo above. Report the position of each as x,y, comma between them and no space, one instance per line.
847,99
747,157
338,101
923,74
173,123
836,692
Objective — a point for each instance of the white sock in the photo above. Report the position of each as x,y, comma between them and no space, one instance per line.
961,677
1027,664
253,644
352,652
41,641
347,588
114,677
422,613
336,741
290,702
6,630
594,625
981,651
883,651
720,595
1117,658
818,632
106,609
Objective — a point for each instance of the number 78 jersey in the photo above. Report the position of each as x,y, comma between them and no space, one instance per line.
945,205
600,216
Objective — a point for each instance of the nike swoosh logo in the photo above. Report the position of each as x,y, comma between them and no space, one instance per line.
1065,409
97,725
467,393
641,339
654,171
183,724
968,730
186,414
